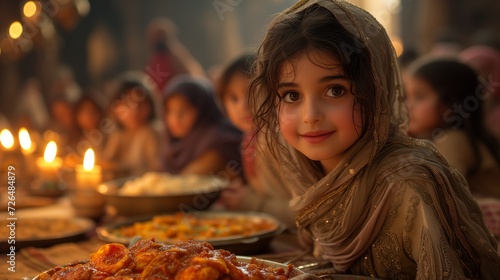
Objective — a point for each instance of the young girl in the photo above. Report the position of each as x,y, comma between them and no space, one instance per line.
370,200
444,99
134,147
263,189
200,140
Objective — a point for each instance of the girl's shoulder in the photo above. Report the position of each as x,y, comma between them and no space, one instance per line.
410,158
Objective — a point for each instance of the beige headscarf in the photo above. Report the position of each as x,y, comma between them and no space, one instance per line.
337,209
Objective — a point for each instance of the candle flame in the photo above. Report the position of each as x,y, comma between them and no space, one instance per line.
7,139
50,152
24,139
88,160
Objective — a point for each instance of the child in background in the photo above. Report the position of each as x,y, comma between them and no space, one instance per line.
63,123
445,100
372,201
89,114
199,139
134,147
264,190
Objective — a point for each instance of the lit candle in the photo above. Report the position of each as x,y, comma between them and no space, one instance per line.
49,165
7,139
9,154
27,146
89,174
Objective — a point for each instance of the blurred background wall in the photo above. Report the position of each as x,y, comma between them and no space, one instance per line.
88,42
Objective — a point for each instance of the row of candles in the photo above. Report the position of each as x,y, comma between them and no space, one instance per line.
87,174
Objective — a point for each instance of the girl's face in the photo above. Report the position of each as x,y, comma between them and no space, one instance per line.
423,106
317,114
235,102
180,116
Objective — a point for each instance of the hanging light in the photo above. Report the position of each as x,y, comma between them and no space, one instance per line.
29,9
15,30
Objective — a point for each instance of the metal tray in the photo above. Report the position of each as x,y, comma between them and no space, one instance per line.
125,205
238,244
84,226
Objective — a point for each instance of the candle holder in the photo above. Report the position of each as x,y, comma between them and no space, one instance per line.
47,182
86,201
83,194
40,187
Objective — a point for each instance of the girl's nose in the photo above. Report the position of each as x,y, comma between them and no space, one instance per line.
312,111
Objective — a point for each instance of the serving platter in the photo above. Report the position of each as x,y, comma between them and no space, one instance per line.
184,260
43,232
243,259
238,243
193,197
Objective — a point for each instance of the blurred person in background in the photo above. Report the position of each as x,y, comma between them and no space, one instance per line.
169,57
31,111
443,98
199,138
261,187
89,113
134,147
62,125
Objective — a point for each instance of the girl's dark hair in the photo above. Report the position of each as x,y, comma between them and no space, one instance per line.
241,65
312,31
135,85
460,91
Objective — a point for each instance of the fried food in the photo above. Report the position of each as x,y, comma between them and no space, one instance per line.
147,259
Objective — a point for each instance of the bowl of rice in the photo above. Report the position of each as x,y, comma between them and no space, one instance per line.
156,192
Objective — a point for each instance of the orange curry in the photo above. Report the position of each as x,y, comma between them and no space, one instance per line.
148,259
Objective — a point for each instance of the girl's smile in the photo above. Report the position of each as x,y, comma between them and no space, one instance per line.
318,136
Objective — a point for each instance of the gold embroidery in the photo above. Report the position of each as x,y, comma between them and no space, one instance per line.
412,213
309,211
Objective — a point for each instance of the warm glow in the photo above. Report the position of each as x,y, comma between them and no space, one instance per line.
24,139
50,152
398,45
88,160
29,9
7,139
15,30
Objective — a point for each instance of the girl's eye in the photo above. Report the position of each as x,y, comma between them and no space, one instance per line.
336,91
291,96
